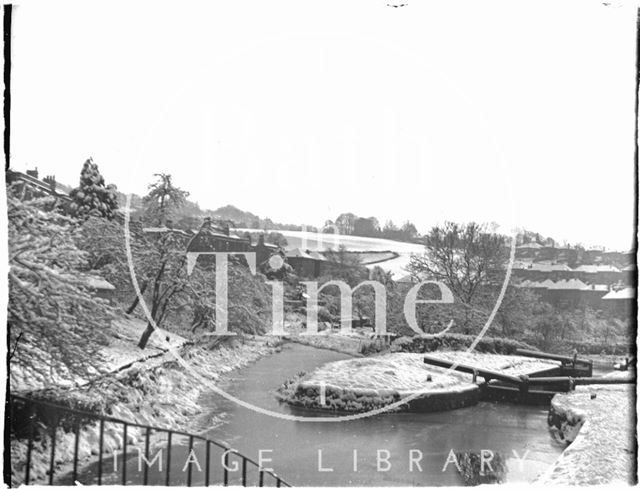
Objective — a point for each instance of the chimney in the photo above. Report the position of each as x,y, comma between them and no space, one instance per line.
51,180
33,173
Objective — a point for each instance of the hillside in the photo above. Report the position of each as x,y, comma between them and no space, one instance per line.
232,213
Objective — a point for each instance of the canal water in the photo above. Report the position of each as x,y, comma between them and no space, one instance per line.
376,451
514,431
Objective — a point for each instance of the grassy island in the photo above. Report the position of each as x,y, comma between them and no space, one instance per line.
363,384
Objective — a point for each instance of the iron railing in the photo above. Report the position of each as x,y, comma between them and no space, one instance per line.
48,424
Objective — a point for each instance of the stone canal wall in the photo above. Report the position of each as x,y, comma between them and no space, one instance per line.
598,424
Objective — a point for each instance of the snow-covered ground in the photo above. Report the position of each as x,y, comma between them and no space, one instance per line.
604,450
406,372
319,242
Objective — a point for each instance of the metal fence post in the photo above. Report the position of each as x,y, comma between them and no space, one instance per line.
100,451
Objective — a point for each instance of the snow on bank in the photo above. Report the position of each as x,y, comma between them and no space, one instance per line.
598,422
401,372
122,351
407,372
152,390
367,383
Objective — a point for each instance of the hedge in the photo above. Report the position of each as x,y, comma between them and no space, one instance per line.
453,341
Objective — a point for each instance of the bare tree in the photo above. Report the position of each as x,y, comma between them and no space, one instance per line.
163,199
465,257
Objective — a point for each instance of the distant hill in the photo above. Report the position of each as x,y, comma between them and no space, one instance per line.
245,219
239,217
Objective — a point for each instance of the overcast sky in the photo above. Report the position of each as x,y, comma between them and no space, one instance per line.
521,113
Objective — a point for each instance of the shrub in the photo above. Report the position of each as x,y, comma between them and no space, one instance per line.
452,341
370,347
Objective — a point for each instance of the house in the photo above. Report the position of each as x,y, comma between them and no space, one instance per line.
593,255
628,293
545,284
593,294
601,274
619,258
621,302
521,264
538,271
306,263
29,186
316,256
215,237
264,251
532,284
566,292
528,250
629,275
558,291
567,255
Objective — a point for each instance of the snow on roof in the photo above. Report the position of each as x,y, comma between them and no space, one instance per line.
523,284
317,256
598,287
573,284
626,293
298,253
530,284
548,267
596,268
530,246
163,229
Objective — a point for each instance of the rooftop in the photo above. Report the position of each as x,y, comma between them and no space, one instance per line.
626,293
163,229
597,268
573,284
316,256
530,246
542,267
298,253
